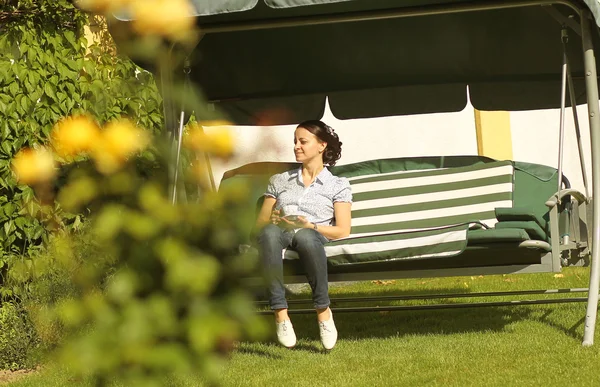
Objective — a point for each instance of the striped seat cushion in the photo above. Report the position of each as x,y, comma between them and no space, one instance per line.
420,214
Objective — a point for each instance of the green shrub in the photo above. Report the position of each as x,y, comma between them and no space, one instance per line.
49,281
18,339
47,71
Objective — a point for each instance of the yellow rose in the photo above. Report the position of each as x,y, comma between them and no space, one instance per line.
74,135
170,18
34,166
119,140
218,141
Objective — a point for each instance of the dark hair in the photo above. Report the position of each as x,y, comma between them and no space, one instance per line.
325,133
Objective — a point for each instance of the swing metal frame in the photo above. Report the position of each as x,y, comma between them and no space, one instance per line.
582,29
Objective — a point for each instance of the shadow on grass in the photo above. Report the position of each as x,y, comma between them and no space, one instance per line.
245,349
384,324
309,348
446,322
362,326
569,331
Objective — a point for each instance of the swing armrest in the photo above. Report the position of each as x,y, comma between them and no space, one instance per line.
558,196
564,221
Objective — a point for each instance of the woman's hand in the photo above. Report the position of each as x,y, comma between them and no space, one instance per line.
275,216
290,222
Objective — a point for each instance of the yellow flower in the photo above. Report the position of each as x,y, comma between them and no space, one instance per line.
34,166
218,141
169,18
74,135
118,141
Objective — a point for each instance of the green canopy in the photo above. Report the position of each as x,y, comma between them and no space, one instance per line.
389,64
384,57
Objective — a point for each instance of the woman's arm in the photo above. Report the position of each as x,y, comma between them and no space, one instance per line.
266,212
342,226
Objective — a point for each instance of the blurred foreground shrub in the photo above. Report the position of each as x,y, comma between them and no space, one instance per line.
157,290
138,289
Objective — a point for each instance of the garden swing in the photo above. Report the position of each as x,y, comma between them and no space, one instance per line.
470,215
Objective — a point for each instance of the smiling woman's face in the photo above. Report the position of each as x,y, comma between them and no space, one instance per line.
307,146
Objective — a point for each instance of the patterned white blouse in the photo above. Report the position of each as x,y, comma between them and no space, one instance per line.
315,202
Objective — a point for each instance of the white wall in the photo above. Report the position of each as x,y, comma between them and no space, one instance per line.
363,139
534,138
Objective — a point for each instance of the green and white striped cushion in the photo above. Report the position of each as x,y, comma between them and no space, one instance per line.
421,244
420,214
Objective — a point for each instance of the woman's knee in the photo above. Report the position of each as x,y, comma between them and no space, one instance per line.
269,234
307,237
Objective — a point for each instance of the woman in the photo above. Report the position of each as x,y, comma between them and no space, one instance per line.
320,203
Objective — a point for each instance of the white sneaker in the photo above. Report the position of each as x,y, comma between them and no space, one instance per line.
285,333
328,332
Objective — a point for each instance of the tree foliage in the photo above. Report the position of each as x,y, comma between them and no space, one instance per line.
49,70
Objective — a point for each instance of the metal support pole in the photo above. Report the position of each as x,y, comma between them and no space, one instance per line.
412,297
591,86
573,100
563,93
211,175
169,111
392,308
177,156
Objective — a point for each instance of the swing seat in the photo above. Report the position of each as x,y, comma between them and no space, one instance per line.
439,216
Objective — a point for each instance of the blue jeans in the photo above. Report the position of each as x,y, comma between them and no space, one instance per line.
308,243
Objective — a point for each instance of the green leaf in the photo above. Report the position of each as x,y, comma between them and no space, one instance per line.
33,77
8,226
14,88
25,104
71,64
20,109
38,232
10,108
70,36
5,131
35,95
17,70
23,47
8,208
89,67
49,90
61,96
70,103
7,148
21,223
50,60
4,42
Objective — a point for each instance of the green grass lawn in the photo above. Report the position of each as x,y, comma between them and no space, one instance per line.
494,346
